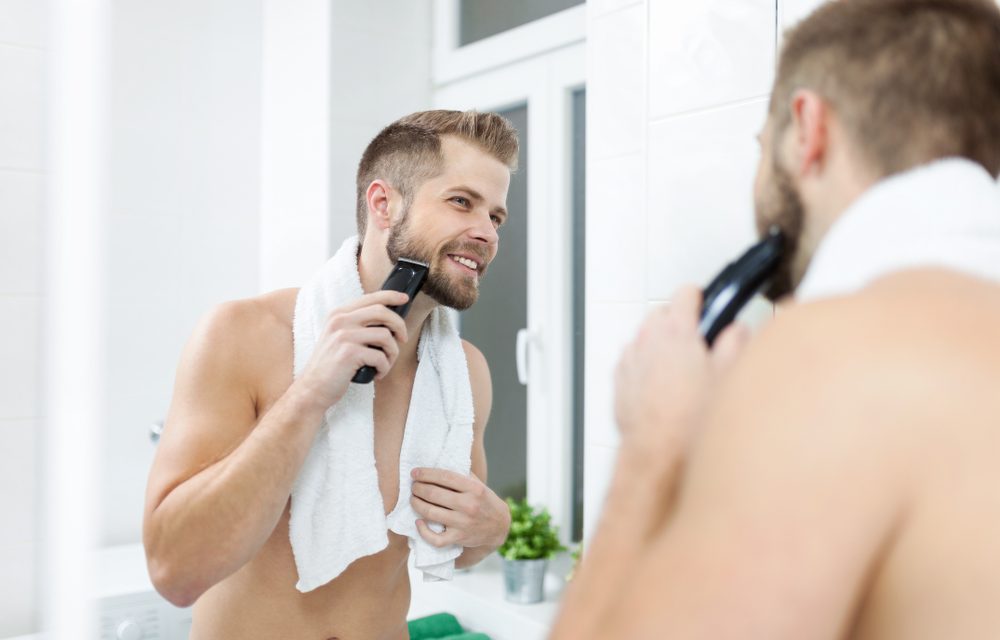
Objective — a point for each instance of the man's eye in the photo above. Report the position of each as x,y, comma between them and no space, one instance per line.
496,221
461,201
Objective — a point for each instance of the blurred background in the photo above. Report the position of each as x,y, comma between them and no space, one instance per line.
208,150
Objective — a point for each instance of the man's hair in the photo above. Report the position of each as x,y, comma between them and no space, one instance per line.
408,152
911,80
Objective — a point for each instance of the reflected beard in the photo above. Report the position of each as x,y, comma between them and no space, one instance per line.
442,285
783,208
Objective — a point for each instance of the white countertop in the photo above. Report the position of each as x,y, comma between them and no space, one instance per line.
476,598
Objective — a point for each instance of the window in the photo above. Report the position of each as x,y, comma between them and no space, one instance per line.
480,19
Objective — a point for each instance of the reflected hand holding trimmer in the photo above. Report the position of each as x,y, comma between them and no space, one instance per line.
407,276
729,291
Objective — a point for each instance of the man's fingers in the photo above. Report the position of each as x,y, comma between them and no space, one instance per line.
382,297
435,539
436,494
378,315
434,513
681,313
729,345
378,360
443,477
685,307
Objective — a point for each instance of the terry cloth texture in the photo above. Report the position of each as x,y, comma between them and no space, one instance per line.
337,513
942,214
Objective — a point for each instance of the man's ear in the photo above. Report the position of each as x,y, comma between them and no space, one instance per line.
810,126
377,197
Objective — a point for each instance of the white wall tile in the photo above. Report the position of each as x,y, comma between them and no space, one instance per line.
21,107
18,356
126,451
615,83
361,91
610,327
348,141
225,248
144,253
18,482
18,607
20,232
23,22
792,11
149,334
709,53
597,8
599,465
185,107
616,229
700,203
409,18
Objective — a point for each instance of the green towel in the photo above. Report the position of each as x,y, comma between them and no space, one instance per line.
439,625
467,636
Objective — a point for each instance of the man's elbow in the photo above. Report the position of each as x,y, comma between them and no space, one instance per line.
171,581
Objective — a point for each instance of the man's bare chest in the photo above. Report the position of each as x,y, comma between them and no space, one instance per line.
391,408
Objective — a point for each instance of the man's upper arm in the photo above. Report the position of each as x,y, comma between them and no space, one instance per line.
788,496
482,398
213,406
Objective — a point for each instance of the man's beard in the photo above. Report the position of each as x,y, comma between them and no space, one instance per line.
442,285
783,207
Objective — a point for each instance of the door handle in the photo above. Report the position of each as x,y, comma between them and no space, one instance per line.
524,340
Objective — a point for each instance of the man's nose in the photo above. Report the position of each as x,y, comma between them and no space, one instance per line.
485,231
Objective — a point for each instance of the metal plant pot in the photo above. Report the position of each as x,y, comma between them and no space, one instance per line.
524,580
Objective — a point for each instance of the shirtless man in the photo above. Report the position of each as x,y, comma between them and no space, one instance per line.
216,528
838,477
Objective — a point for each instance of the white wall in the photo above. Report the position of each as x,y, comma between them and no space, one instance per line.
23,45
380,71
185,167
335,73
676,93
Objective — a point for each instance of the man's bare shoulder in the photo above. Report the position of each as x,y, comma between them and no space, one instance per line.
482,384
251,316
475,359
264,317
927,315
238,337
907,340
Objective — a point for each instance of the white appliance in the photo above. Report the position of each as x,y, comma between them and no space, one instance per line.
128,607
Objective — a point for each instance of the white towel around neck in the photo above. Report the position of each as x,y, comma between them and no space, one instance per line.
337,514
942,214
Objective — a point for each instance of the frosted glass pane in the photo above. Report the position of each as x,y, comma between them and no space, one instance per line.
480,19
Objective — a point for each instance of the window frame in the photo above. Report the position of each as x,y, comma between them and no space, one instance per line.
450,62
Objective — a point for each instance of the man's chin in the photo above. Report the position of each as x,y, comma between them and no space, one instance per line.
453,296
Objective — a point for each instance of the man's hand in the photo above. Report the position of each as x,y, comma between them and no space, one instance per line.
472,515
665,376
364,332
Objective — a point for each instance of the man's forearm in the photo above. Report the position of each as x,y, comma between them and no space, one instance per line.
213,523
638,502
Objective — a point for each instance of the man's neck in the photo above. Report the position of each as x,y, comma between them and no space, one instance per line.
827,201
419,311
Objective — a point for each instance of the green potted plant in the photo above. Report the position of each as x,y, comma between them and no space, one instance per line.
532,540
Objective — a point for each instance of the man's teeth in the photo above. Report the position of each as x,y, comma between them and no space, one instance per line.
465,262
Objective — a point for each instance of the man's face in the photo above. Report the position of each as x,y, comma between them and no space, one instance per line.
777,200
452,223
